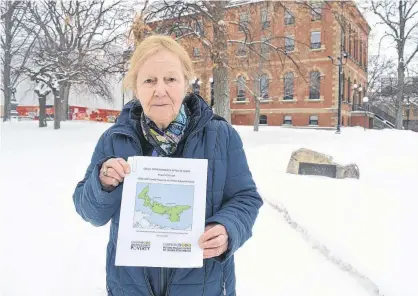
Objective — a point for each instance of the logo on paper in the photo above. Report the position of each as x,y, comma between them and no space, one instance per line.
140,246
171,247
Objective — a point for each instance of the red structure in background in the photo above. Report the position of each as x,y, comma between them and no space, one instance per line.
76,113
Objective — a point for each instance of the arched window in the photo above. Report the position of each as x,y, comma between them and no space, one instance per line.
264,86
287,120
241,88
288,86
316,11
263,119
354,92
343,98
349,90
313,120
314,87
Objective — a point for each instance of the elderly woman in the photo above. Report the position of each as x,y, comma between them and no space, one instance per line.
165,122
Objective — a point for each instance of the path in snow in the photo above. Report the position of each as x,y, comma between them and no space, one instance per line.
367,284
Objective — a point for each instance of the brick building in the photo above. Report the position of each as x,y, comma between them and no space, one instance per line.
300,89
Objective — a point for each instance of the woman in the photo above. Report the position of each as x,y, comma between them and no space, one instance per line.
164,122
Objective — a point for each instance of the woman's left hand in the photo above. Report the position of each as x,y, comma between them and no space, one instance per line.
214,241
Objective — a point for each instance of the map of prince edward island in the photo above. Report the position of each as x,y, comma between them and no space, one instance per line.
163,206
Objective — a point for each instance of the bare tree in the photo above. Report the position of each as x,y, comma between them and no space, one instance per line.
16,47
82,42
401,20
47,70
379,67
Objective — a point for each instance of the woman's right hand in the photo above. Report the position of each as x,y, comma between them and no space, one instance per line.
113,172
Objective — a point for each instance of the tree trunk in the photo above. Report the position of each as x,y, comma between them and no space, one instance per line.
7,58
221,92
65,103
6,91
257,114
401,67
257,87
220,61
399,96
57,110
42,111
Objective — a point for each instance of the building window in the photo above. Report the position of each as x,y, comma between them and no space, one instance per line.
199,28
242,50
355,47
343,38
289,43
343,98
264,86
365,57
241,88
265,48
315,40
288,86
287,120
349,41
361,53
243,21
265,23
180,29
313,120
314,87
196,52
316,11
263,119
349,90
289,19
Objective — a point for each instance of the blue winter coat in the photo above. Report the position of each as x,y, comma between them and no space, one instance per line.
232,200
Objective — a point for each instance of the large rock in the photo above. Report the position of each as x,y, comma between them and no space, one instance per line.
326,165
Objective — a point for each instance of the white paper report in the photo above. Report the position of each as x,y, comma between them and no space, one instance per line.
162,213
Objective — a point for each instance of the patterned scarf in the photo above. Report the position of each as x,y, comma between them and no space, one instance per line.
165,141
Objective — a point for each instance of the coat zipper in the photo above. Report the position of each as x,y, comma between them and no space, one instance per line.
161,281
193,133
223,281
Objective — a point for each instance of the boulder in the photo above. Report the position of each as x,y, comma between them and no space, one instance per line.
309,162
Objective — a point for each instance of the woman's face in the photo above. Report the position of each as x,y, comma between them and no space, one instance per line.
161,87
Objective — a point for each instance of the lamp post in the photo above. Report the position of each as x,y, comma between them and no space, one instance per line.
365,101
340,64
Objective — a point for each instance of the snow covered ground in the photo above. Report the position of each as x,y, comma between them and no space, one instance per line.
46,249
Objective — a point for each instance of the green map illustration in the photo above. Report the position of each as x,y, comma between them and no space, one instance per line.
163,206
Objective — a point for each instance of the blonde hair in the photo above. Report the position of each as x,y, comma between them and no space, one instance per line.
150,46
